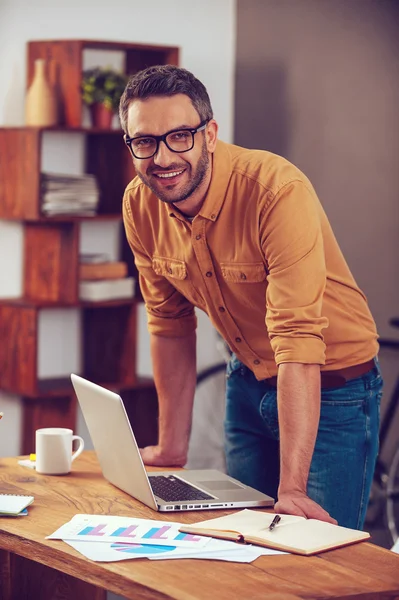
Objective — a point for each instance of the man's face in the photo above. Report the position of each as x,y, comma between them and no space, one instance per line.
173,177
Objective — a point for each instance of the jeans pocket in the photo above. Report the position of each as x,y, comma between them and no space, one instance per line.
343,397
233,366
269,413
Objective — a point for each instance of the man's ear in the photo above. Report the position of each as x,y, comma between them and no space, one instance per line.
211,133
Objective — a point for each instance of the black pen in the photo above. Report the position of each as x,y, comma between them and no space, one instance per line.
275,522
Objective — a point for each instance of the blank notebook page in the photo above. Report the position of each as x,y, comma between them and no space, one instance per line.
13,504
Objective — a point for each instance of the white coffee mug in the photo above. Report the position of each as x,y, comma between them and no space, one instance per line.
54,454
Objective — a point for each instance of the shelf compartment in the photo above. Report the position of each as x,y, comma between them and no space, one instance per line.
141,405
65,59
46,412
51,262
109,353
57,405
21,148
108,159
108,349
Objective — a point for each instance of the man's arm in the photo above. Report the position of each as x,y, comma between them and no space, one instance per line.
291,234
298,398
174,365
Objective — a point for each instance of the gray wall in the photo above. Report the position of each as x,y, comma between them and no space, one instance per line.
318,82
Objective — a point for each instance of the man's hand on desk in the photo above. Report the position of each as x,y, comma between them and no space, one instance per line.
158,457
297,503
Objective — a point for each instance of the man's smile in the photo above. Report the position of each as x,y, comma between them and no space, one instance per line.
166,179
169,174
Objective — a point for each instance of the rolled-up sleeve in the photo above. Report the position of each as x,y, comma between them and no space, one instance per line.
169,313
292,243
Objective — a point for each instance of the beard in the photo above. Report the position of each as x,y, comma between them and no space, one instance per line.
196,177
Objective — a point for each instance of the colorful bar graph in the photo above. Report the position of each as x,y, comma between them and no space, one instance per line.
115,529
93,530
157,533
125,531
188,537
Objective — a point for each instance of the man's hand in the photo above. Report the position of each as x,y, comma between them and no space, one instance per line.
298,503
157,457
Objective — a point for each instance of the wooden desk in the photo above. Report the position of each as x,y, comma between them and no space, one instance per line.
34,568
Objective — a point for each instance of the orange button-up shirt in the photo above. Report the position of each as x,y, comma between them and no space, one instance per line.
259,258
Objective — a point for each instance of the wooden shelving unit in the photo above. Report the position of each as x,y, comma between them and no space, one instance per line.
51,254
20,168
66,57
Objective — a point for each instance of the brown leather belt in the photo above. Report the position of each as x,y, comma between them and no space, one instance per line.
337,378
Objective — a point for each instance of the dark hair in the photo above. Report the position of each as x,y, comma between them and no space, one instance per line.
165,80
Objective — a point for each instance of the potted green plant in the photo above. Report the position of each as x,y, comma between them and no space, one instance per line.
102,89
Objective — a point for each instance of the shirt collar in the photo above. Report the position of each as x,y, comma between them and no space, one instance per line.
221,172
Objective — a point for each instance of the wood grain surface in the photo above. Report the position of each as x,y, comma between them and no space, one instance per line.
358,572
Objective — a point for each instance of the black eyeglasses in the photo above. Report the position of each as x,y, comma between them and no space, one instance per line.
177,140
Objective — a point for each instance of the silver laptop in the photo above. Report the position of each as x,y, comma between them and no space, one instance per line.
121,462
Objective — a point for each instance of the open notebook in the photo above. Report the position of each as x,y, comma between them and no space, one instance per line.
12,504
292,534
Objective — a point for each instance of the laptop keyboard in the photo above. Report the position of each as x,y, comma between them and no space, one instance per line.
171,489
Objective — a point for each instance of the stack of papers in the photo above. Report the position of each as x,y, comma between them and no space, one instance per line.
69,194
104,538
13,505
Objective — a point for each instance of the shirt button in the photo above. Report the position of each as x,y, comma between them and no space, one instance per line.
256,362
238,340
213,217
222,309
243,276
209,274
197,237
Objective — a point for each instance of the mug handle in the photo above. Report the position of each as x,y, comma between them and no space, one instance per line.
80,448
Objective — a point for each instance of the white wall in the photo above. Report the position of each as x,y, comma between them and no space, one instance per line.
205,33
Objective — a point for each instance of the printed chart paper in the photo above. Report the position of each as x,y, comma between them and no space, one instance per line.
215,550
105,528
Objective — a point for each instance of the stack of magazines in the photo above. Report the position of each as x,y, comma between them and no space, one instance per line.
69,194
102,279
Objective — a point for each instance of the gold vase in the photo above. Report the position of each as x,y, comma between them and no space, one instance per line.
40,104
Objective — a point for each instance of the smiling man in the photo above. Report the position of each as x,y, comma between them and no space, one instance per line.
242,235
184,180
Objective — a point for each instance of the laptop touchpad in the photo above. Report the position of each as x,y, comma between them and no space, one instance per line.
221,484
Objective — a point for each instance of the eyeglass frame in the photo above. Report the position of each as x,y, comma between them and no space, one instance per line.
162,138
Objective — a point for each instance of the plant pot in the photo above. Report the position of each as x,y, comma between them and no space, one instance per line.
101,116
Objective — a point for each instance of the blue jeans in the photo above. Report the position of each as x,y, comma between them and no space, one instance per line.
346,449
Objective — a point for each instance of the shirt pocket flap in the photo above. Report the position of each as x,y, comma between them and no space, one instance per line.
169,267
243,272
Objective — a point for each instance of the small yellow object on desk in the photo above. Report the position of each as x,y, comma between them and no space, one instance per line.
29,462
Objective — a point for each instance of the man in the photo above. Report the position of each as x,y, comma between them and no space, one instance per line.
241,234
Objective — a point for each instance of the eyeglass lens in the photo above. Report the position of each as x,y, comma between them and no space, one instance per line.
177,141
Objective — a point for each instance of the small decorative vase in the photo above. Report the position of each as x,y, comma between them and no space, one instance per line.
101,116
40,104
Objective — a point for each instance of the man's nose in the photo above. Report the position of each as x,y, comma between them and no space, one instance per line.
163,156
